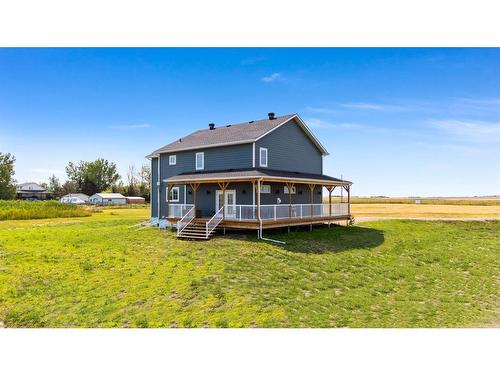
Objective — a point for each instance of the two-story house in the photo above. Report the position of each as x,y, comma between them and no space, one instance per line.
260,174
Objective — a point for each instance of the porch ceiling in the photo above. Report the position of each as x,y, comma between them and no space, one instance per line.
240,175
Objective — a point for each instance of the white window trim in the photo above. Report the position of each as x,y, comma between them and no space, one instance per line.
178,194
262,188
174,158
202,161
285,190
260,157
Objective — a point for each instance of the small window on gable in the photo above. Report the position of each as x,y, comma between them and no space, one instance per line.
172,160
263,157
200,160
265,189
174,194
286,189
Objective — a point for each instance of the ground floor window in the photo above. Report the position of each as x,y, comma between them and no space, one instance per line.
174,194
293,190
265,189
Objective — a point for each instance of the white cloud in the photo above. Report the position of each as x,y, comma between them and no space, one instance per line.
374,106
134,126
317,123
271,78
323,110
47,171
469,130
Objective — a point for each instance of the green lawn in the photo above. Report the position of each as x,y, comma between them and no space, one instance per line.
100,271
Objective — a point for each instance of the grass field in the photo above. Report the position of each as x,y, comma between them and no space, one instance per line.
423,201
101,271
22,210
424,211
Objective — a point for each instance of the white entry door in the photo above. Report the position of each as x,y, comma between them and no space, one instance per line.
229,204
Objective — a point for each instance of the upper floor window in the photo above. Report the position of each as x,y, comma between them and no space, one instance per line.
174,194
200,160
172,160
263,157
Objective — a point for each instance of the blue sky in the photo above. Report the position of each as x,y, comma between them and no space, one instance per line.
396,122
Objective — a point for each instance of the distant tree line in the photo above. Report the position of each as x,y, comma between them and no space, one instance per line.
88,177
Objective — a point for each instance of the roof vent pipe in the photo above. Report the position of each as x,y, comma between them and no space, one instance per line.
211,126
272,116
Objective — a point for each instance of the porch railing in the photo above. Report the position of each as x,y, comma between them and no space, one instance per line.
178,210
213,222
285,211
185,220
268,212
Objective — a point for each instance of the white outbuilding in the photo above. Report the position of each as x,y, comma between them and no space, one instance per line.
75,198
108,199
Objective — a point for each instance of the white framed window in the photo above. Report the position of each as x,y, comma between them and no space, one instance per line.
263,157
293,190
200,160
172,160
265,189
174,194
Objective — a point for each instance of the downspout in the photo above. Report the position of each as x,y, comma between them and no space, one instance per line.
260,219
158,183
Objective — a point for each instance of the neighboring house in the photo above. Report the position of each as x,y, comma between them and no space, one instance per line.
108,199
260,174
31,191
135,200
75,198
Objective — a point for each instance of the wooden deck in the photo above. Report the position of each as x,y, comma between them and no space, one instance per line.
266,224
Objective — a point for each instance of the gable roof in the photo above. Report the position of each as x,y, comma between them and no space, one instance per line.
109,195
30,187
233,134
76,195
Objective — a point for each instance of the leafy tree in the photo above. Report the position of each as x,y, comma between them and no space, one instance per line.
55,187
69,187
145,182
94,176
7,182
131,180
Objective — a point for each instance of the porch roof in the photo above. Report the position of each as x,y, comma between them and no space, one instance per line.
238,175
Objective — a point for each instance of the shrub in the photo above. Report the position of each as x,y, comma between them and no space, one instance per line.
21,210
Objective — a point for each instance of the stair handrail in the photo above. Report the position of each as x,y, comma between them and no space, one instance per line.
213,222
185,220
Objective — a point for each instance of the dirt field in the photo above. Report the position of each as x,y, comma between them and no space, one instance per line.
374,211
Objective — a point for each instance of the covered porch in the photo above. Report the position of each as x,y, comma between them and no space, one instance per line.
255,199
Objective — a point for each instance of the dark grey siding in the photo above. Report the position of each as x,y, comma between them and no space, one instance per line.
216,158
302,194
206,193
154,188
290,149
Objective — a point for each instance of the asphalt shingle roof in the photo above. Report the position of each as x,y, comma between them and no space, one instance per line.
243,132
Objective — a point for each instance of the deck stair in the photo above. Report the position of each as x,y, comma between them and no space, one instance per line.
199,229
196,230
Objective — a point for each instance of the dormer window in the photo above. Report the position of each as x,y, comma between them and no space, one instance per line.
172,160
200,161
263,157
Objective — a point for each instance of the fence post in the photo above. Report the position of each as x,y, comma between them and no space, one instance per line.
274,212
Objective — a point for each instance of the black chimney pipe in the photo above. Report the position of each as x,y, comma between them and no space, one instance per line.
211,126
271,116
